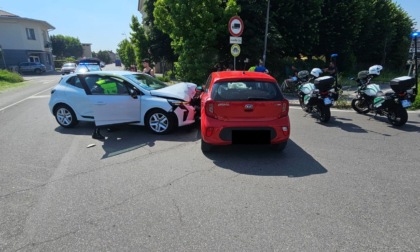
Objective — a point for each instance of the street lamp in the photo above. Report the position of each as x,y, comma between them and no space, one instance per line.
266,32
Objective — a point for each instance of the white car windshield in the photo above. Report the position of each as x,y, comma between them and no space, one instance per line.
145,81
69,65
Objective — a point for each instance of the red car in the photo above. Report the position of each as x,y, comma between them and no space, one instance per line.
240,107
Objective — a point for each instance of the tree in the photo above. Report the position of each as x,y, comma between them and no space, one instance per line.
103,56
383,42
292,31
66,46
159,42
339,29
193,27
126,52
139,40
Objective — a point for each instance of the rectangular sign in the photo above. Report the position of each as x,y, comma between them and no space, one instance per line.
236,40
411,50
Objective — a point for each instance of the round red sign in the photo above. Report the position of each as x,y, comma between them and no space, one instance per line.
236,26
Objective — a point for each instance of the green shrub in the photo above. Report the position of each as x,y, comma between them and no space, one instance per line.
10,77
170,74
163,78
416,103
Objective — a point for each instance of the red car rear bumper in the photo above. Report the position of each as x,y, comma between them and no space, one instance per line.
218,132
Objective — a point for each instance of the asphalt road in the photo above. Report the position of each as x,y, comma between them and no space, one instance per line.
349,185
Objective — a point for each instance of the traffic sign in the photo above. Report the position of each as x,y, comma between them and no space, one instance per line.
235,50
236,26
235,40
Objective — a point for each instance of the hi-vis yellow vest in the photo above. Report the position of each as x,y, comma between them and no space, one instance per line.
109,87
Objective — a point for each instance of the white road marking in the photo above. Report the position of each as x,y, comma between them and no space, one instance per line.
39,96
29,97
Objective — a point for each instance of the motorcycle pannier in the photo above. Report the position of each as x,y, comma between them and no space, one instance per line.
402,84
324,83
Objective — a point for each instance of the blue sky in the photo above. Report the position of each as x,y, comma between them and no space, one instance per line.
99,22
103,23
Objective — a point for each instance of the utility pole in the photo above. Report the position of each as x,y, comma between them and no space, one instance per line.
266,32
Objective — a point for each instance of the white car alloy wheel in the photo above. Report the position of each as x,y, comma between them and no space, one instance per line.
159,121
65,116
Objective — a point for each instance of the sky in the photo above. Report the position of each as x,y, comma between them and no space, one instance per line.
102,23
105,23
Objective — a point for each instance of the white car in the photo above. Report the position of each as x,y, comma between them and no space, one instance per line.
68,68
136,98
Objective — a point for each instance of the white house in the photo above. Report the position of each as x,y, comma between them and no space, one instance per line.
24,40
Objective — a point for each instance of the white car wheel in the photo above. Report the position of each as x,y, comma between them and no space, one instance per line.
65,116
159,121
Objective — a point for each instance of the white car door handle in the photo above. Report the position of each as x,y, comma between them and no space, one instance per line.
100,103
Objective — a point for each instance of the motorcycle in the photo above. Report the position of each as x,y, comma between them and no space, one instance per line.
392,104
318,97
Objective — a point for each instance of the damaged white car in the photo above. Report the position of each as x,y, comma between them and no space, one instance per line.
120,97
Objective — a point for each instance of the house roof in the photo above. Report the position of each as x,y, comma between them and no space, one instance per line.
10,16
7,14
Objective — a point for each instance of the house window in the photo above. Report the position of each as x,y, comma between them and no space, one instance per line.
30,33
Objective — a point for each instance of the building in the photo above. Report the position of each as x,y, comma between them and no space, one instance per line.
140,8
24,40
87,51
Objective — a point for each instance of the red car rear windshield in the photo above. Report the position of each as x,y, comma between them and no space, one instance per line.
246,91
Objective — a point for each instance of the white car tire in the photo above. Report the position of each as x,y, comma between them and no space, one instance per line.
160,122
65,116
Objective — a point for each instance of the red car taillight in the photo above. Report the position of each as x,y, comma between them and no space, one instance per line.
209,109
284,108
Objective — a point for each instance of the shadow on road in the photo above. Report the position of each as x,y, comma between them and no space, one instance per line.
410,126
263,161
126,138
344,124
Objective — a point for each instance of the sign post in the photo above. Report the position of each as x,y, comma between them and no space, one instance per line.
414,35
236,27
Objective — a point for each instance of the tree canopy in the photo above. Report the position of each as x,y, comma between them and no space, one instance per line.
361,32
66,46
126,52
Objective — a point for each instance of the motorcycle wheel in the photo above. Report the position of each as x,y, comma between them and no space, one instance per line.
360,106
302,105
324,113
398,116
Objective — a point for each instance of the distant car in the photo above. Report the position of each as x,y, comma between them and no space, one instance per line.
32,67
102,64
117,62
115,97
240,107
68,68
87,67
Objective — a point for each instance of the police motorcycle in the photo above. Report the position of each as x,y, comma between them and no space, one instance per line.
318,95
366,91
392,104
